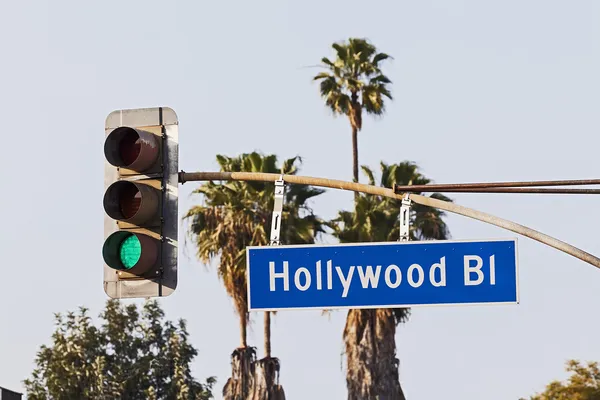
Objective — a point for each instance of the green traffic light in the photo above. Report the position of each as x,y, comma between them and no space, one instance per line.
130,251
133,252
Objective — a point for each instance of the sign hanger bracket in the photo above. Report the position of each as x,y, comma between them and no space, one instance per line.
405,219
277,212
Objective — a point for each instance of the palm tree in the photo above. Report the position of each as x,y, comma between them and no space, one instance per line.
236,215
369,335
353,84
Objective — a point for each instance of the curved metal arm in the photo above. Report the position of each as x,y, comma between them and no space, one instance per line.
387,192
511,226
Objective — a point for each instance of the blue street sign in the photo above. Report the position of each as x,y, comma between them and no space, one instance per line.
382,275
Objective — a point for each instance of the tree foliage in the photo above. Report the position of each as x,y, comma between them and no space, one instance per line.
583,384
134,354
353,79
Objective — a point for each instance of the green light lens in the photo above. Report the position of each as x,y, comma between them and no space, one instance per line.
130,251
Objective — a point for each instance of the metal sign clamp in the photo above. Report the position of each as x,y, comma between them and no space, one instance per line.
277,212
405,219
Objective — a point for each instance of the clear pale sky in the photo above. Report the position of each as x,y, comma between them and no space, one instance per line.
484,91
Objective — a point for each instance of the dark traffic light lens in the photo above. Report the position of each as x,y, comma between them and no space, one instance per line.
131,148
132,252
131,202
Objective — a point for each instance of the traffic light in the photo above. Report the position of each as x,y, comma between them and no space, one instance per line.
140,203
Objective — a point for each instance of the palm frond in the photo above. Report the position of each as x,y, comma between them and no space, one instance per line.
339,103
341,51
329,85
369,173
380,57
290,166
372,98
322,75
326,61
380,79
438,196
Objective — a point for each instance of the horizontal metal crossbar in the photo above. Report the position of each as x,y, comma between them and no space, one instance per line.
505,187
520,190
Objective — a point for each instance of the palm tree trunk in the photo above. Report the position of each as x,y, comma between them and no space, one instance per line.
266,382
387,363
372,366
243,326
355,153
241,383
357,340
355,114
267,334
266,371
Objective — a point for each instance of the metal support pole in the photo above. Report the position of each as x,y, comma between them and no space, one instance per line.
277,211
388,192
405,219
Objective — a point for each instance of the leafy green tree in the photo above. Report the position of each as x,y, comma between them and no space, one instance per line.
354,83
583,384
236,215
132,355
369,335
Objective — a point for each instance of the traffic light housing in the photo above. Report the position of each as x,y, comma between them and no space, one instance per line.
140,203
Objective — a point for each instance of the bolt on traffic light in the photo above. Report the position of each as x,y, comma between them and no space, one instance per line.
140,203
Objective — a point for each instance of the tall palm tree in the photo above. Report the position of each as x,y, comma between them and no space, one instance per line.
236,215
354,83
369,335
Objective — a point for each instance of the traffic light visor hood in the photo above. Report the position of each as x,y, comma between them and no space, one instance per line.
131,148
